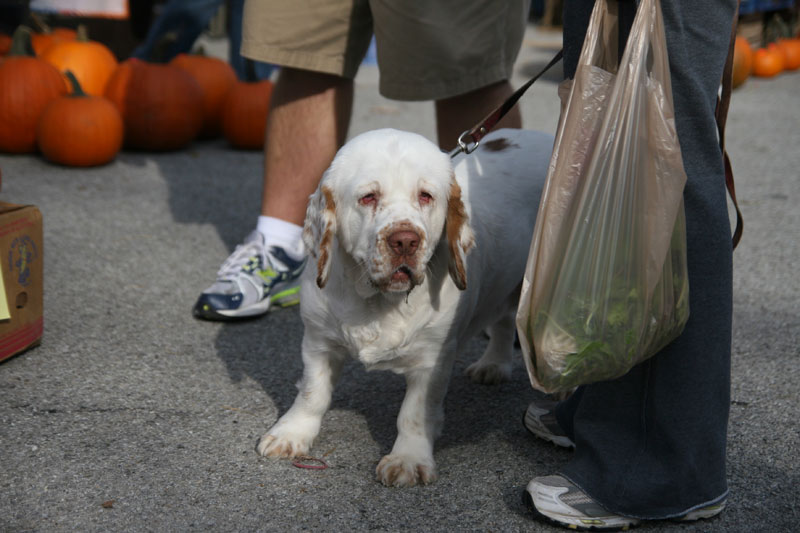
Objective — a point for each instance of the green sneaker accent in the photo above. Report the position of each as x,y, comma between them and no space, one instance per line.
268,275
287,298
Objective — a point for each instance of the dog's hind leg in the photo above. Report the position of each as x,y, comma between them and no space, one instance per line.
295,431
494,366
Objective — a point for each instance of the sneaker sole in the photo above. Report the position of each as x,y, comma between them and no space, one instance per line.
703,514
222,316
286,298
280,300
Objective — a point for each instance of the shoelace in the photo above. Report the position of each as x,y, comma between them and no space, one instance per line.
241,255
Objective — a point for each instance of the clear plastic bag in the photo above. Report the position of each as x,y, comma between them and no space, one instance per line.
606,284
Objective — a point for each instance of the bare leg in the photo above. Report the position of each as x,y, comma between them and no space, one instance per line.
459,113
308,122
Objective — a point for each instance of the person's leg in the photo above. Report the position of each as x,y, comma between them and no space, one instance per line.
308,122
652,443
319,48
457,114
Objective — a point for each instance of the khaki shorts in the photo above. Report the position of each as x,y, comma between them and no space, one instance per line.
426,50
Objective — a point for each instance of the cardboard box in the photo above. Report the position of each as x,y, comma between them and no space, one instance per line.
22,290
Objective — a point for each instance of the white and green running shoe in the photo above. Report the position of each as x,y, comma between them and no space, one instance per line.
250,282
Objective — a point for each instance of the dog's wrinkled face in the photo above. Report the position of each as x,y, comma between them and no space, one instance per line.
392,226
387,199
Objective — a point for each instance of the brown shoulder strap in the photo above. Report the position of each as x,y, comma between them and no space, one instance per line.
723,103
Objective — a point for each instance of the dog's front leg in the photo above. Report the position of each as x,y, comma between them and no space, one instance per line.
419,423
295,431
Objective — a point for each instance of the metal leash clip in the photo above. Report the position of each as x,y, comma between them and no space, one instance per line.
462,143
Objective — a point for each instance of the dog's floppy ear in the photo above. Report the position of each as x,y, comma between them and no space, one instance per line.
460,238
319,229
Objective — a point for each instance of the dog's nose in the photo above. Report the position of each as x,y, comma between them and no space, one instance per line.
404,242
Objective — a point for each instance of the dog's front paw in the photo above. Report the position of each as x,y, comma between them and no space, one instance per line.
405,471
276,444
488,373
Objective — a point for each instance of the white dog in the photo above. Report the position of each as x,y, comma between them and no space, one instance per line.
410,256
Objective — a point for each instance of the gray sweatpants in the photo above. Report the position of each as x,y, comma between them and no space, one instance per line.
651,444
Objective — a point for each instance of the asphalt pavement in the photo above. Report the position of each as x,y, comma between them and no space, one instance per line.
134,416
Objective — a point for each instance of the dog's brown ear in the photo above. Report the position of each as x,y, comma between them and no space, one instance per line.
460,238
319,230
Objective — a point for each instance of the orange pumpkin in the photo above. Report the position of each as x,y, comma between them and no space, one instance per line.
244,114
90,61
742,61
79,130
215,77
43,41
161,105
767,62
27,85
791,53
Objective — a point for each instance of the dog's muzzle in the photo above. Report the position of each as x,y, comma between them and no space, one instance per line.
400,250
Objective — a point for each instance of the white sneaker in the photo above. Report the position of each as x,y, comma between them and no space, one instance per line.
251,281
558,500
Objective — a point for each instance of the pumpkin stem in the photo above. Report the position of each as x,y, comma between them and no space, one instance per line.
77,90
21,43
39,22
82,33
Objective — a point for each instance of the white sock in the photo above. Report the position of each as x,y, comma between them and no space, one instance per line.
278,232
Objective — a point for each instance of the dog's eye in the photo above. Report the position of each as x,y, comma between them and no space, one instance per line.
425,198
368,199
